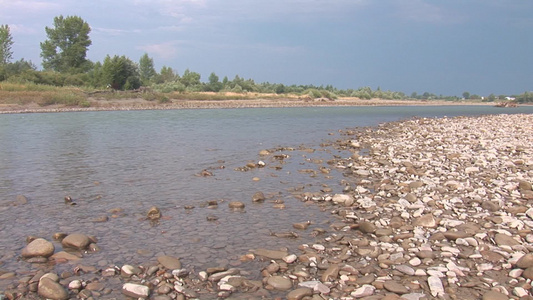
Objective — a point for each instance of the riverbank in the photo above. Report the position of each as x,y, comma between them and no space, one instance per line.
430,209
96,104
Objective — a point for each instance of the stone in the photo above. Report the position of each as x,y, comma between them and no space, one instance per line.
62,255
525,261
169,262
435,286
405,269
505,240
299,293
135,290
38,247
281,283
427,220
342,199
153,214
364,291
331,273
367,227
50,289
528,273
20,200
272,254
76,240
494,295
395,287
236,205
524,186
258,197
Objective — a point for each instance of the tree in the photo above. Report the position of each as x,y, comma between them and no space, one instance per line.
120,73
6,41
466,95
146,69
67,44
166,75
190,78
214,85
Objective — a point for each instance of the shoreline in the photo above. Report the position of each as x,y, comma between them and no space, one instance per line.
437,209
141,104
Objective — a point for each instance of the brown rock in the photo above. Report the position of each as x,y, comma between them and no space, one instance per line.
169,262
236,204
493,295
427,221
76,240
49,289
528,273
38,247
525,261
395,287
367,227
258,197
505,240
299,293
331,273
280,282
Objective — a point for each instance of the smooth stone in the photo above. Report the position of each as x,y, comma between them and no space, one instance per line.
169,262
236,204
258,197
528,273
454,235
395,287
38,247
20,200
405,269
427,220
525,261
50,289
135,290
280,282
364,291
76,240
435,286
505,240
494,295
331,273
272,254
299,293
62,255
367,227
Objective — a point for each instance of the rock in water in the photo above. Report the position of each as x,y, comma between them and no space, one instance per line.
154,213
169,262
76,240
258,197
38,247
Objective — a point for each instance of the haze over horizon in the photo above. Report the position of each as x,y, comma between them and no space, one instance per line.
440,47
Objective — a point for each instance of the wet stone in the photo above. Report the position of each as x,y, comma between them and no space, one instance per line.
38,248
395,287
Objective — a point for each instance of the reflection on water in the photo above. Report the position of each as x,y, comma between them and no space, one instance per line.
118,164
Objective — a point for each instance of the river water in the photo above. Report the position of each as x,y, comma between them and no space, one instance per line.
118,164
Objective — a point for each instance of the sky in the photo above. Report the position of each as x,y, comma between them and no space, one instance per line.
441,47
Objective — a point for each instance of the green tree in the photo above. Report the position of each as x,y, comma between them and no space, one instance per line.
466,95
166,75
190,78
6,42
214,84
65,50
146,69
120,73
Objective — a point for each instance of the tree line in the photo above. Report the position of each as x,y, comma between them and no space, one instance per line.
65,63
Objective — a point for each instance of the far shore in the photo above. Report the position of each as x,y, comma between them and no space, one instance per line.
141,104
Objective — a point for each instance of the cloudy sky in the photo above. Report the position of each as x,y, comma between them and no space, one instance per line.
442,47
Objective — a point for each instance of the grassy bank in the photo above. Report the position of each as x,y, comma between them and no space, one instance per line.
38,97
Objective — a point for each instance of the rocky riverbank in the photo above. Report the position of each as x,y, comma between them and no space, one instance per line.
141,104
430,209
